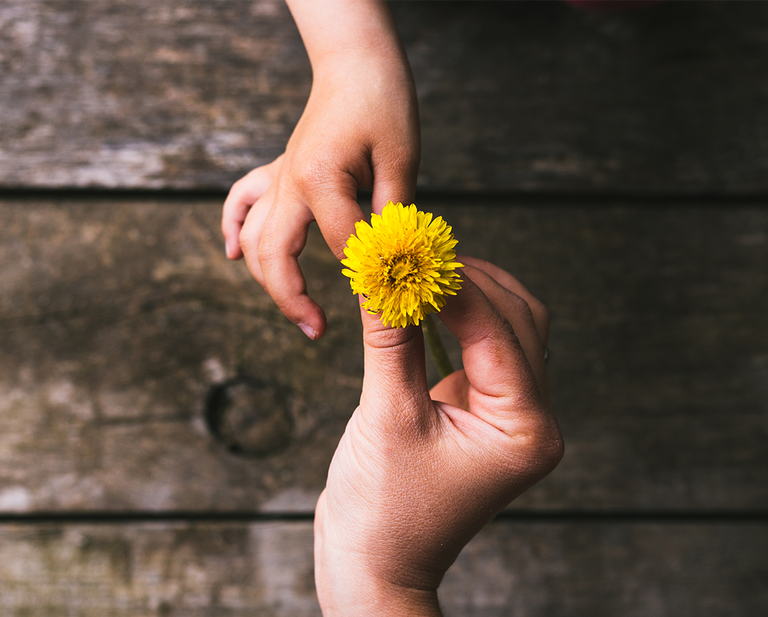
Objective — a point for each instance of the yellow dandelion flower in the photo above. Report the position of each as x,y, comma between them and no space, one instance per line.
403,264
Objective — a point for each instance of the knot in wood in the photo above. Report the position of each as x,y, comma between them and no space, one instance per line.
250,417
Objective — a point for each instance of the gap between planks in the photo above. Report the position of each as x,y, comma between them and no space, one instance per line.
444,196
518,516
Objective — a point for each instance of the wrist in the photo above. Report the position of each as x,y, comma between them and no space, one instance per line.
382,75
373,598
348,585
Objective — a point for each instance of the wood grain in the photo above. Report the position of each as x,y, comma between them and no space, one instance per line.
525,570
117,320
118,317
158,570
514,96
634,569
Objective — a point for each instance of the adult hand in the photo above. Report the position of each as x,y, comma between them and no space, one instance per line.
360,129
416,476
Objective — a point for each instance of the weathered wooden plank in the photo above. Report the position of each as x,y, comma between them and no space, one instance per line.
610,569
525,570
117,320
118,317
145,570
658,344
514,96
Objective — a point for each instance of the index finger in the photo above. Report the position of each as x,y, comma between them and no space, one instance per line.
521,316
282,241
509,282
503,389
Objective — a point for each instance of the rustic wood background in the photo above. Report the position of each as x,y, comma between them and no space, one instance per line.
164,432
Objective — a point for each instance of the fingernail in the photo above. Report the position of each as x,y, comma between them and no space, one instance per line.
226,248
308,330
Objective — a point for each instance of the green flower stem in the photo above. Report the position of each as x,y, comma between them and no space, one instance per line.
432,336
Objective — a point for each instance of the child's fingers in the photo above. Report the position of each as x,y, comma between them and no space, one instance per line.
506,280
241,198
283,238
251,233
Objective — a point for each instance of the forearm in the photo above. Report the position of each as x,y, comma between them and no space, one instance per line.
346,28
361,121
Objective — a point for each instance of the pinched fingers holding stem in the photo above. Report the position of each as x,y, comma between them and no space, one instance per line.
527,316
503,383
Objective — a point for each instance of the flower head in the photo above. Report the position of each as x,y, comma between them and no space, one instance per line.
403,264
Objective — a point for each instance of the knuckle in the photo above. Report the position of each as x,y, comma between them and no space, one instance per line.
239,187
532,309
538,446
283,301
548,443
403,152
380,336
521,306
311,173
406,158
269,254
401,160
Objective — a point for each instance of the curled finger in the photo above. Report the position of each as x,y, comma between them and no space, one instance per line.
515,310
509,282
282,241
243,195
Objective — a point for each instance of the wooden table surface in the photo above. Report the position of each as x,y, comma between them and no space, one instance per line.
165,432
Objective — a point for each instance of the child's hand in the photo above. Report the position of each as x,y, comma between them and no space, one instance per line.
360,129
416,476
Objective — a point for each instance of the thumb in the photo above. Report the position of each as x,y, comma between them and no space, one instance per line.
395,383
